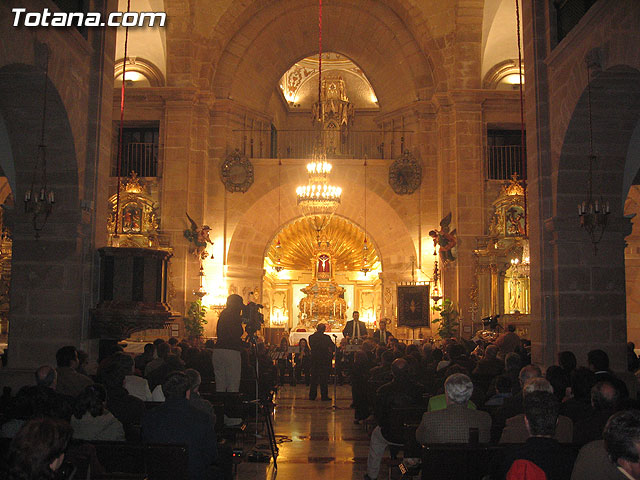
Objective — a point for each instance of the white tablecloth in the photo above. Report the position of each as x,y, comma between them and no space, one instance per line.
294,337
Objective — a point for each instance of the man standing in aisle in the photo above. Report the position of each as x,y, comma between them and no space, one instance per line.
321,354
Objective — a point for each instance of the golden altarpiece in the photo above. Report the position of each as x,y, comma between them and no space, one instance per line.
502,263
324,299
136,215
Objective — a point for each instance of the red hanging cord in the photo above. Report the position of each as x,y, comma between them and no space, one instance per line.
124,71
522,141
319,51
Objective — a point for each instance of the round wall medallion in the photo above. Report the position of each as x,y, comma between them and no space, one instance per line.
236,172
405,174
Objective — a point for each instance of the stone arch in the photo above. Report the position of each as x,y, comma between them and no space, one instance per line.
589,289
257,54
46,289
615,106
255,229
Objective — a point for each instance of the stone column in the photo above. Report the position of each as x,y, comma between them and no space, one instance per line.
460,121
186,127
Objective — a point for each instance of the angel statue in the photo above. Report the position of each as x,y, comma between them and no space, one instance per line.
447,240
199,237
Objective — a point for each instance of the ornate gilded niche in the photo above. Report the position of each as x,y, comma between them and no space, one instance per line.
324,298
136,214
502,261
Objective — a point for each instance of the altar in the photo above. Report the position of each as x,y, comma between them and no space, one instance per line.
294,337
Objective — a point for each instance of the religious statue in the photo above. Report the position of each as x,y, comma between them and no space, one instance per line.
199,238
445,239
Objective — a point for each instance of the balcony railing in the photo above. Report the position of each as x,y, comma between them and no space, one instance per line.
141,158
301,143
503,161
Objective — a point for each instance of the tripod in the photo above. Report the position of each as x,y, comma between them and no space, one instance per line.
263,404
335,375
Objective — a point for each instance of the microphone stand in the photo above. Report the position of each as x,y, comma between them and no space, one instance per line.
335,374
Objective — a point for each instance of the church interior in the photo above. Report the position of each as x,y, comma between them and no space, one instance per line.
387,157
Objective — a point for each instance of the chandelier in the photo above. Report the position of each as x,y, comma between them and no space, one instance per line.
593,213
39,199
318,198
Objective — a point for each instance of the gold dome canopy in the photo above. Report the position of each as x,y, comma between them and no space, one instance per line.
298,240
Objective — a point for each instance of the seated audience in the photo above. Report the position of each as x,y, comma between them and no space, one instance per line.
593,463
162,350
604,401
541,449
578,405
142,360
487,368
359,383
633,363
178,422
559,380
32,402
401,392
195,400
70,382
567,361
453,424
172,363
598,361
382,373
621,440
91,420
133,384
503,388
508,341
126,408
37,451
515,430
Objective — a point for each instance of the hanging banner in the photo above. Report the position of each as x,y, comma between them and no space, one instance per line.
413,306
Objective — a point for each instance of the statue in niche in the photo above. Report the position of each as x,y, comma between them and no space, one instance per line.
515,221
131,218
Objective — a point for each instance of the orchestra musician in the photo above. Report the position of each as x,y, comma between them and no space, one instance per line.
355,330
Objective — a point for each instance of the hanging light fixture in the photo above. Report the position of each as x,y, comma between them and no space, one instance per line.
593,213
278,255
39,199
319,199
365,248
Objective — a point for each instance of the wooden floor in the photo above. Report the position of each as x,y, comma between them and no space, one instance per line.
315,441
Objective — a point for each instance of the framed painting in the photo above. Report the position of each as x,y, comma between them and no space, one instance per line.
413,306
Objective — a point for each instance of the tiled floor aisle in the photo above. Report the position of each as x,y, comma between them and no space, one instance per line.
324,443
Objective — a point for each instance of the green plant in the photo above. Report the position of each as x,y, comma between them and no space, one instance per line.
194,322
448,321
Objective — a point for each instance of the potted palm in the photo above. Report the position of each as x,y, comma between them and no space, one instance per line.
448,321
194,322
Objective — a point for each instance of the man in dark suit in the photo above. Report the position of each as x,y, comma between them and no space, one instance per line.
541,449
454,423
355,329
598,361
321,354
177,422
381,335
